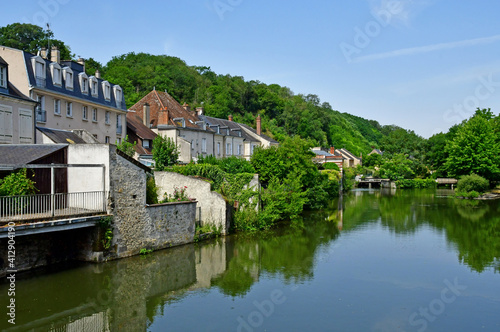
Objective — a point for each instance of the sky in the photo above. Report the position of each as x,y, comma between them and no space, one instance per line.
424,65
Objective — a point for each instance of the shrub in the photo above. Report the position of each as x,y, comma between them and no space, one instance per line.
151,191
473,182
416,183
17,184
178,196
331,166
165,152
126,147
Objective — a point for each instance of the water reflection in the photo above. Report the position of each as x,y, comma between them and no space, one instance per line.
130,294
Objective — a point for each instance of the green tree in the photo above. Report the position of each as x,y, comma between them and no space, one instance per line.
126,147
31,38
165,152
396,168
475,148
17,184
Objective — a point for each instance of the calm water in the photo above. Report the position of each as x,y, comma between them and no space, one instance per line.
400,261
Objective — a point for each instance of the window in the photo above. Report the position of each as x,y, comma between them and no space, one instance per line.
68,78
253,148
192,144
228,149
41,114
106,118
94,114
218,148
69,109
118,95
118,124
25,126
56,74
204,145
239,150
146,143
107,139
93,86
57,106
106,88
85,112
3,77
39,69
118,141
84,83
5,124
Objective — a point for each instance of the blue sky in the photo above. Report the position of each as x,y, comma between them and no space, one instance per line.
423,65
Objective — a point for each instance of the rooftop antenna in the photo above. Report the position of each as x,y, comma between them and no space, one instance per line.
48,42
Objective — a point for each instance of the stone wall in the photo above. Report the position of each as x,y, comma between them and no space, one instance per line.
212,207
137,226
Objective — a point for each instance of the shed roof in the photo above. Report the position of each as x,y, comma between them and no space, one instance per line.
19,154
60,136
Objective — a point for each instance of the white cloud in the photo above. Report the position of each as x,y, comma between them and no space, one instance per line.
429,48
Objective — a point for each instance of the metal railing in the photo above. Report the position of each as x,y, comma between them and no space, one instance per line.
33,207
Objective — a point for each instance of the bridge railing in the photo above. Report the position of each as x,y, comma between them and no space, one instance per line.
32,207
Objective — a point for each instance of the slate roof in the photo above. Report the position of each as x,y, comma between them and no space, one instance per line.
234,127
76,92
326,154
59,136
15,154
261,135
349,154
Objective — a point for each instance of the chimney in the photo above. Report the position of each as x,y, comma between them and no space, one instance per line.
230,118
97,74
145,114
55,54
332,150
199,110
258,125
163,117
82,62
43,53
186,107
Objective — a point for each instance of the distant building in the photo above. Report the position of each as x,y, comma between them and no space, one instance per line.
328,156
17,121
67,97
377,151
142,136
350,160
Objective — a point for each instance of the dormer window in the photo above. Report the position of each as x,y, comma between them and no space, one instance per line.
118,95
93,86
56,72
106,88
3,77
39,70
181,122
68,78
84,83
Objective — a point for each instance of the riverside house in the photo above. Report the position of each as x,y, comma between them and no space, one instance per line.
67,97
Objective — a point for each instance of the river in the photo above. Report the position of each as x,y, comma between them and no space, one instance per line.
375,261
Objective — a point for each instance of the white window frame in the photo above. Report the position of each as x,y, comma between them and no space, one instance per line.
239,150
85,113
84,83
57,106
6,124
229,149
107,117
118,92
56,71
69,109
39,72
68,78
94,115
94,87
107,140
25,126
106,88
204,145
218,148
119,124
3,77
146,143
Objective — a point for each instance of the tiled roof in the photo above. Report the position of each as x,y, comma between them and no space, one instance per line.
327,154
135,124
76,92
59,136
160,101
15,154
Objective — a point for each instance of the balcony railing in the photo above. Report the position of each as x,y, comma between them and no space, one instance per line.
47,206
41,115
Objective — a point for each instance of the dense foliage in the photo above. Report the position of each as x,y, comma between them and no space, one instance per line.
126,147
472,182
165,152
17,184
